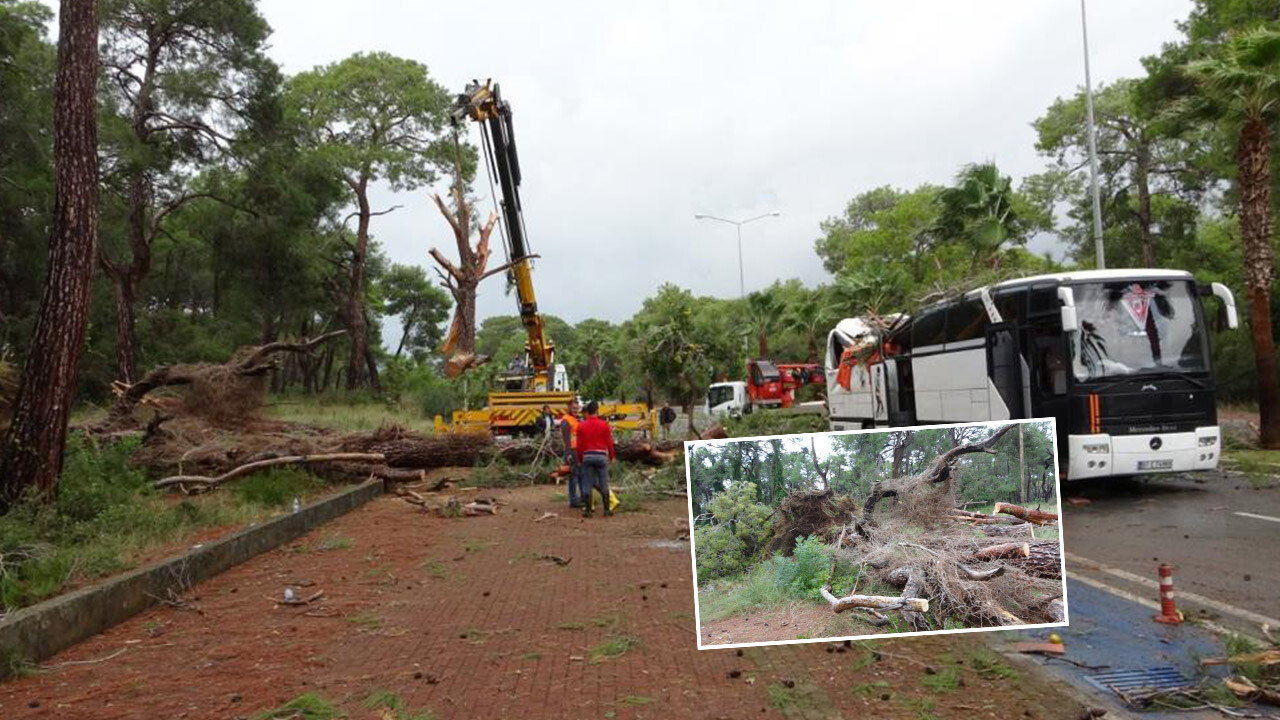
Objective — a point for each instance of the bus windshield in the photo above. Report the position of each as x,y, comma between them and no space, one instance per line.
1134,327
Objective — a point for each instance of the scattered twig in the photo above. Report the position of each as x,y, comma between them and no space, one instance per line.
94,661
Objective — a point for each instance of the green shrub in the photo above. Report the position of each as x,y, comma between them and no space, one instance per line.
765,422
806,572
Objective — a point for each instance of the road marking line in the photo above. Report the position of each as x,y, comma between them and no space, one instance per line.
1218,605
1259,517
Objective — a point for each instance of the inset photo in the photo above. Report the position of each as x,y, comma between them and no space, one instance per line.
907,531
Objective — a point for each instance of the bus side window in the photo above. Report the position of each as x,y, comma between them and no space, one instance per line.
1051,363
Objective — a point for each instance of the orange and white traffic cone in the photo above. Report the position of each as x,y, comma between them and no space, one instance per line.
1168,612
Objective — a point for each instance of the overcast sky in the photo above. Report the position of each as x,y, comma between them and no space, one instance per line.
632,117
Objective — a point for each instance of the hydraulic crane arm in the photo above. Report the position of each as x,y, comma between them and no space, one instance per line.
484,104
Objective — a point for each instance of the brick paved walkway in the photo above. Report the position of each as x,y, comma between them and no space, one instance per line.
463,618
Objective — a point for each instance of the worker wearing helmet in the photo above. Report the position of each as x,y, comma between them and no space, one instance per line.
569,434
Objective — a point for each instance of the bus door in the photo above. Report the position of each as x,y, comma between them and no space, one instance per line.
879,399
1004,368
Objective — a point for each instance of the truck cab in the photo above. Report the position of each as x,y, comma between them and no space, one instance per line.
728,399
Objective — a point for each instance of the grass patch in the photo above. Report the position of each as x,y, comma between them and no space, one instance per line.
571,626
347,411
872,689
441,571
106,518
275,487
761,589
473,545
944,680
795,700
1260,467
988,664
473,635
307,706
13,664
531,656
366,620
393,707
614,647
636,700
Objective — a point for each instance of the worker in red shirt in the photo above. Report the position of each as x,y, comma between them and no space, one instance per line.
595,452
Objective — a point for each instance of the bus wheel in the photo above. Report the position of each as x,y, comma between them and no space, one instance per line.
868,424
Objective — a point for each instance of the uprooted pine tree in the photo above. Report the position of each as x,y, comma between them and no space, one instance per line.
954,568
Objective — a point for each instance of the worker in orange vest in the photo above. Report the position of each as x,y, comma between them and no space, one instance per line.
569,433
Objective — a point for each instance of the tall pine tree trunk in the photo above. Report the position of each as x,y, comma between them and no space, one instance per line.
1254,166
1022,469
356,329
126,327
31,454
1142,174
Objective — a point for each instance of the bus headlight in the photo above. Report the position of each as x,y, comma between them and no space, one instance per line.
1207,440
1096,447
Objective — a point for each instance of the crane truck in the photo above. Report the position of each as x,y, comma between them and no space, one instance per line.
536,380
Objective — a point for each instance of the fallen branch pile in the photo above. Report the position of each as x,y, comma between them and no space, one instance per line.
210,431
922,545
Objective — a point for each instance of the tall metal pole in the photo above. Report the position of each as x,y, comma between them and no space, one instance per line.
742,283
1093,144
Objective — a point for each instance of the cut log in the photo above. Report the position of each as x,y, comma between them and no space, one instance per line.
976,519
875,602
1043,560
914,587
997,552
1004,531
1038,517
649,452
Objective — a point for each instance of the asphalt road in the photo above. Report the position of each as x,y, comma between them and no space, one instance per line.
1221,535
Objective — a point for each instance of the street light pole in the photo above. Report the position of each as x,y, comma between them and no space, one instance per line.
742,283
1093,144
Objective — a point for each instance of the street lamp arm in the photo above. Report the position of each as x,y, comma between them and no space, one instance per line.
704,216
761,217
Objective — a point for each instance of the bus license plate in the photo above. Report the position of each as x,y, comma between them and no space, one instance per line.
1155,464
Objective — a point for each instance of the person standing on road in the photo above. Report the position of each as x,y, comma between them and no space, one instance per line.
569,434
595,452
666,417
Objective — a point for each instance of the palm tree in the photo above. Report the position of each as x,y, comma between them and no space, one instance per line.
811,316
1241,85
764,314
978,211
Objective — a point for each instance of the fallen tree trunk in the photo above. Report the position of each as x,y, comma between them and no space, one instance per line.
1002,551
253,467
1038,517
1042,560
875,602
648,452
1004,531
976,519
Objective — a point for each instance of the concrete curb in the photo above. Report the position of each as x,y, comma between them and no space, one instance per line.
44,629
